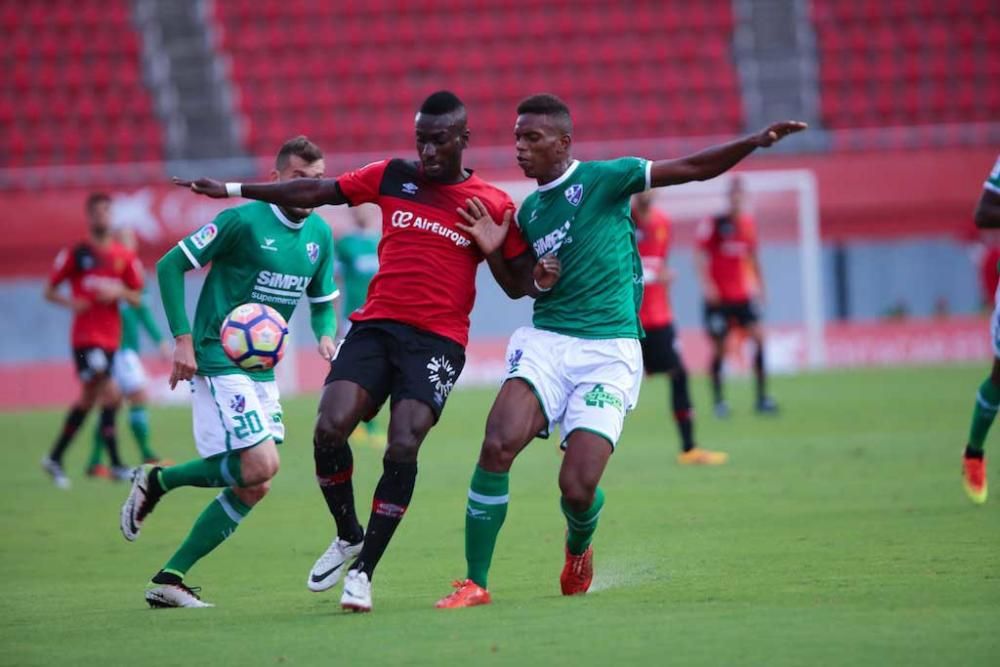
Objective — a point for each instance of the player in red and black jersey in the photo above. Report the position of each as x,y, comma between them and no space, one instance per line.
407,343
660,353
100,271
732,283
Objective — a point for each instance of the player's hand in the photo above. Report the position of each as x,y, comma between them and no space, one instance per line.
711,295
483,229
327,348
109,291
776,132
184,364
547,270
204,186
78,305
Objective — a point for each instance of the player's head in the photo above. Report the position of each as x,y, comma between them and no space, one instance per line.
543,135
298,158
641,202
98,209
737,195
442,134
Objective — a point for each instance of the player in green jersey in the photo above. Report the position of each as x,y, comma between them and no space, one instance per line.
357,264
259,253
129,375
579,366
988,397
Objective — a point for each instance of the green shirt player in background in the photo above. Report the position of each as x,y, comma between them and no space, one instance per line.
259,253
988,397
580,365
128,373
357,263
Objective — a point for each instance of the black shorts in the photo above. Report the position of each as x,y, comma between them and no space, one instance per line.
390,358
721,317
92,362
659,350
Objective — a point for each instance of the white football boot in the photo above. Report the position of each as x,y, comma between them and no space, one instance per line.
357,592
56,472
331,565
164,596
138,504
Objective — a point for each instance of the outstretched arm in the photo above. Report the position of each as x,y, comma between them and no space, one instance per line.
522,275
297,192
716,160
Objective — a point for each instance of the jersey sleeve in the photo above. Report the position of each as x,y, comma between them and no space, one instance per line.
212,239
750,232
628,175
514,243
132,275
703,233
322,288
993,182
62,268
362,185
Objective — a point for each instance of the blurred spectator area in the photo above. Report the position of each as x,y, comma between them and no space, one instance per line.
351,74
908,62
72,89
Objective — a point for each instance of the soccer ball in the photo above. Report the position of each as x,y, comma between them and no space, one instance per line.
253,336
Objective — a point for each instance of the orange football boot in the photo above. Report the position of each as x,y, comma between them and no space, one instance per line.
466,594
702,457
577,573
974,478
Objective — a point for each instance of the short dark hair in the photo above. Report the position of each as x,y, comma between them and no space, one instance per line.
547,104
440,103
299,146
95,198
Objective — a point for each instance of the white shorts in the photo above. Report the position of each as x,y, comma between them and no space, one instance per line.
580,383
128,372
232,412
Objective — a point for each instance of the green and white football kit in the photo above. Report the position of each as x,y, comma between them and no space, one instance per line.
357,261
257,255
992,184
582,355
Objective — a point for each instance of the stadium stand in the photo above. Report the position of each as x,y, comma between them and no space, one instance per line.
908,62
72,91
350,76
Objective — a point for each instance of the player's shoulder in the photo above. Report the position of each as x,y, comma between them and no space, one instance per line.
489,192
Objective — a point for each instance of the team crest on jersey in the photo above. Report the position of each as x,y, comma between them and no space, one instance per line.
410,188
238,403
204,236
312,252
574,194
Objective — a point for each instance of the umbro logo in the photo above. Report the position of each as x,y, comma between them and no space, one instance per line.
410,188
268,244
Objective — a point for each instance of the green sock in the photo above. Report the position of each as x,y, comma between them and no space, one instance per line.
987,401
484,515
371,427
211,528
138,421
215,471
98,449
582,525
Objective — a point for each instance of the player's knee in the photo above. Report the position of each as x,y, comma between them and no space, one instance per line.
578,494
496,455
402,449
251,495
259,467
330,431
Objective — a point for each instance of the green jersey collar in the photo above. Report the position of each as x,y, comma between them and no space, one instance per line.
562,179
284,220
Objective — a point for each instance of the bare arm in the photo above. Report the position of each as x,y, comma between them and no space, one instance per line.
988,210
53,295
297,192
522,275
717,160
707,287
759,275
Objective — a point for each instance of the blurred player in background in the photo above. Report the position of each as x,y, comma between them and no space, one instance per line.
660,353
100,272
407,342
129,374
357,261
579,366
988,398
259,253
733,286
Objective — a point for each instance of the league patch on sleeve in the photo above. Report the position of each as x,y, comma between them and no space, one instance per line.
204,236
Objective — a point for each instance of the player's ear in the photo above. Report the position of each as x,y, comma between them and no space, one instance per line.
465,138
565,142
275,175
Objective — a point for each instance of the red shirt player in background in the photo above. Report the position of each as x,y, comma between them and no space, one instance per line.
730,279
100,271
659,347
407,342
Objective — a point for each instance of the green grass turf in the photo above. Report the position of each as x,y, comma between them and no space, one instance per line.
838,534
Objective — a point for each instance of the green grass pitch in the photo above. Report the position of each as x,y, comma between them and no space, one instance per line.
837,535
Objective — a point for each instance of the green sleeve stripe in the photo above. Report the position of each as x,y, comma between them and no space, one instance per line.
323,299
992,187
649,175
187,253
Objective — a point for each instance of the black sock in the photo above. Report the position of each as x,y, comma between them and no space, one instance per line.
392,496
758,369
162,577
72,424
971,453
110,435
334,469
717,378
681,403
